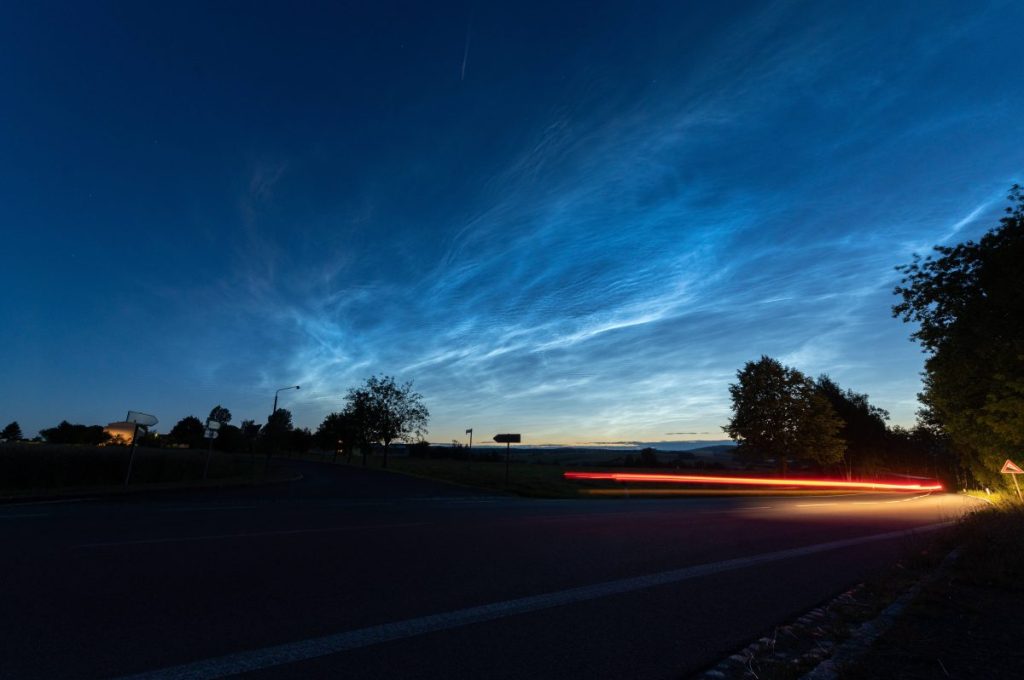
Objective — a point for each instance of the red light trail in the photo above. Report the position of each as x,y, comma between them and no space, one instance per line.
749,481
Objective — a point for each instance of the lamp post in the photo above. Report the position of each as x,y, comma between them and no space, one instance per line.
292,387
266,462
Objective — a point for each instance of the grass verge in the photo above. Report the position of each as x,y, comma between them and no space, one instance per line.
41,470
968,623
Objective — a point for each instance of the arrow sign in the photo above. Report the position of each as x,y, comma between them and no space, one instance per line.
507,438
1011,468
140,418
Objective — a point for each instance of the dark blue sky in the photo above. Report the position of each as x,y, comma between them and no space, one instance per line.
578,228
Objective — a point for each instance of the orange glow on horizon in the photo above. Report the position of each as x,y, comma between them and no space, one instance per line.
748,481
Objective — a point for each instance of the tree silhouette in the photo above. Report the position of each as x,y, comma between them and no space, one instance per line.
189,431
278,428
250,432
339,432
12,432
863,429
68,433
968,303
220,414
778,413
386,411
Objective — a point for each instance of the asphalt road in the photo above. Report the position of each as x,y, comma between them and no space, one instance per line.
357,574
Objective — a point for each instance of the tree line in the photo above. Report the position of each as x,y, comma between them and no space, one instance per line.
378,413
781,416
967,303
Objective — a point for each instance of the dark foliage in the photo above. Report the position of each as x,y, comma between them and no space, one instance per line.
12,433
80,435
968,304
188,431
385,411
778,413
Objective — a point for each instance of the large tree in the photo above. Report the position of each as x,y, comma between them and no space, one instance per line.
250,432
778,413
387,411
277,432
340,432
220,414
967,301
189,431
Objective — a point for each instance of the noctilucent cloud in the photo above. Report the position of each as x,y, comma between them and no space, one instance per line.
570,220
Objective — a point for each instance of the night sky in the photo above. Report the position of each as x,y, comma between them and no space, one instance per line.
570,220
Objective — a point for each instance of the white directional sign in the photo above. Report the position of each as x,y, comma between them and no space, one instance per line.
210,434
212,425
140,418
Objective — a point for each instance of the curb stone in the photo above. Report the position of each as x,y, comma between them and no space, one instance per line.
826,656
860,642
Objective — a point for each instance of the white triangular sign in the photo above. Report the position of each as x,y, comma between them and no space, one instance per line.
1011,468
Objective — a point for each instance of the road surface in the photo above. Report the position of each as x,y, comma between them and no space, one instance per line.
358,574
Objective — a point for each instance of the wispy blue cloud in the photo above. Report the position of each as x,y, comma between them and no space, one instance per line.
676,204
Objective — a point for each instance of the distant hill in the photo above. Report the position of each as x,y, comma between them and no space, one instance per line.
609,455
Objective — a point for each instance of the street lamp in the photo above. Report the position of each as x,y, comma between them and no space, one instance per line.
292,387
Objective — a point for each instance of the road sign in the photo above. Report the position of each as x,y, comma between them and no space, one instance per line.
139,418
507,438
212,424
1011,468
210,434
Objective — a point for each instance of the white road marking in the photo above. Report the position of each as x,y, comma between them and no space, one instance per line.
293,652
182,539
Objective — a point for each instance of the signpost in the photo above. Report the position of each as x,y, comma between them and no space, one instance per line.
507,440
1011,468
211,433
145,421
469,451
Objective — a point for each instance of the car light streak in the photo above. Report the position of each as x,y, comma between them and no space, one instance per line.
749,481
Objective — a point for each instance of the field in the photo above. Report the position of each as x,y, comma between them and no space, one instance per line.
28,469
524,479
